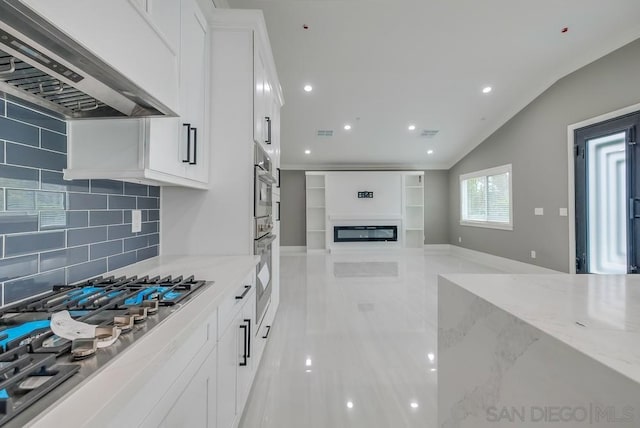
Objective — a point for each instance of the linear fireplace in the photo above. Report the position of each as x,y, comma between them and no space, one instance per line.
365,233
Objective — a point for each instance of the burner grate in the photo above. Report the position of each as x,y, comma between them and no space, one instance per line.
26,378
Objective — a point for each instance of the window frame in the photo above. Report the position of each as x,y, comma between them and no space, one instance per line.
507,168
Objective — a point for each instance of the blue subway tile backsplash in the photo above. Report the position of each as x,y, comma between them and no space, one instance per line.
18,132
31,285
54,231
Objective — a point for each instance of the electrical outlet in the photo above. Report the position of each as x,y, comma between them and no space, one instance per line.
563,212
533,254
136,221
459,238
539,211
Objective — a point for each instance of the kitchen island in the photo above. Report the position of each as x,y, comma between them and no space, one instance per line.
145,382
538,350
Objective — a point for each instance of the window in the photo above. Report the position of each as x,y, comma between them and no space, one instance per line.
485,198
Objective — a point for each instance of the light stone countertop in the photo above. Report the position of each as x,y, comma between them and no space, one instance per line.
95,401
598,315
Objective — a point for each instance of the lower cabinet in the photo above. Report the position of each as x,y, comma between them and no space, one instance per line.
236,363
196,406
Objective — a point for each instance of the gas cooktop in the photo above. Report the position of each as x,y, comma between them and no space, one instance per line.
37,366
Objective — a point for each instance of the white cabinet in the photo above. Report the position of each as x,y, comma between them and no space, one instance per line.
196,406
159,151
122,35
265,102
136,150
236,357
194,58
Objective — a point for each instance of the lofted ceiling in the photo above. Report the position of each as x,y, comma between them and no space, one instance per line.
383,65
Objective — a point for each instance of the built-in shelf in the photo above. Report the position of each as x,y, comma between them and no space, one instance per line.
413,212
316,214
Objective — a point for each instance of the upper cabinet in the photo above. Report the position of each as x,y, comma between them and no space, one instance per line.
161,151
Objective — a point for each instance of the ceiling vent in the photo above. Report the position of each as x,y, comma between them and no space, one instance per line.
429,133
325,133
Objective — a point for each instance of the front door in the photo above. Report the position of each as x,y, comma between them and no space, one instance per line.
607,198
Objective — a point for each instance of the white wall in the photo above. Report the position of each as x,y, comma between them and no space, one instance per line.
342,194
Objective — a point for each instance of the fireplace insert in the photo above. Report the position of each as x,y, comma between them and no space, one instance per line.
365,233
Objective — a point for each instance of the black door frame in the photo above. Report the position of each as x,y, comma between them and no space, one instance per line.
628,123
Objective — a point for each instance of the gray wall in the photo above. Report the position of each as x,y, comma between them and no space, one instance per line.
293,202
535,142
293,220
436,207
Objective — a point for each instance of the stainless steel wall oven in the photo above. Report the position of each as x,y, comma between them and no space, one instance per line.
263,236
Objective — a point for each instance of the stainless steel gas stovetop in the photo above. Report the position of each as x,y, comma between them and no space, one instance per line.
37,367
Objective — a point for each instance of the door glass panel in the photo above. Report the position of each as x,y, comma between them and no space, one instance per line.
607,223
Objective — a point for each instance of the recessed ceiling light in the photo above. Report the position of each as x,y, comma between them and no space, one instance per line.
412,127
414,405
350,404
307,152
308,88
487,89
347,127
429,152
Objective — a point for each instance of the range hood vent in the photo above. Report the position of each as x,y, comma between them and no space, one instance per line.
42,65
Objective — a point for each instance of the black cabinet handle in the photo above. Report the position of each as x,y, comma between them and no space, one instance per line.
267,333
248,337
268,119
244,293
278,218
188,159
195,145
244,355
278,186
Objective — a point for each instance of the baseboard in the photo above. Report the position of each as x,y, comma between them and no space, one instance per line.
292,249
437,249
501,263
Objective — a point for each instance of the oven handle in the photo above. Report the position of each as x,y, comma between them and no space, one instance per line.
264,175
267,239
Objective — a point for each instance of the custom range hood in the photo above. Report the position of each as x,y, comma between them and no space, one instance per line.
42,65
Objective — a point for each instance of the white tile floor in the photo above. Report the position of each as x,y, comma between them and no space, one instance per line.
353,342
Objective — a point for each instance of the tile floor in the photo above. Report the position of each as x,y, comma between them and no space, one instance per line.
353,343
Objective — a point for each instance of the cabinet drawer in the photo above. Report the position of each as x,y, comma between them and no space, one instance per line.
234,302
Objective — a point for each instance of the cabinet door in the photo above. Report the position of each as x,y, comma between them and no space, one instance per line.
246,372
259,78
163,146
193,89
227,371
196,406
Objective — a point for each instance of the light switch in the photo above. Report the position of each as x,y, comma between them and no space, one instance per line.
563,212
533,254
136,221
539,211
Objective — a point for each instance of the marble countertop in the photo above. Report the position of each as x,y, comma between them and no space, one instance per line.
598,315
99,398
